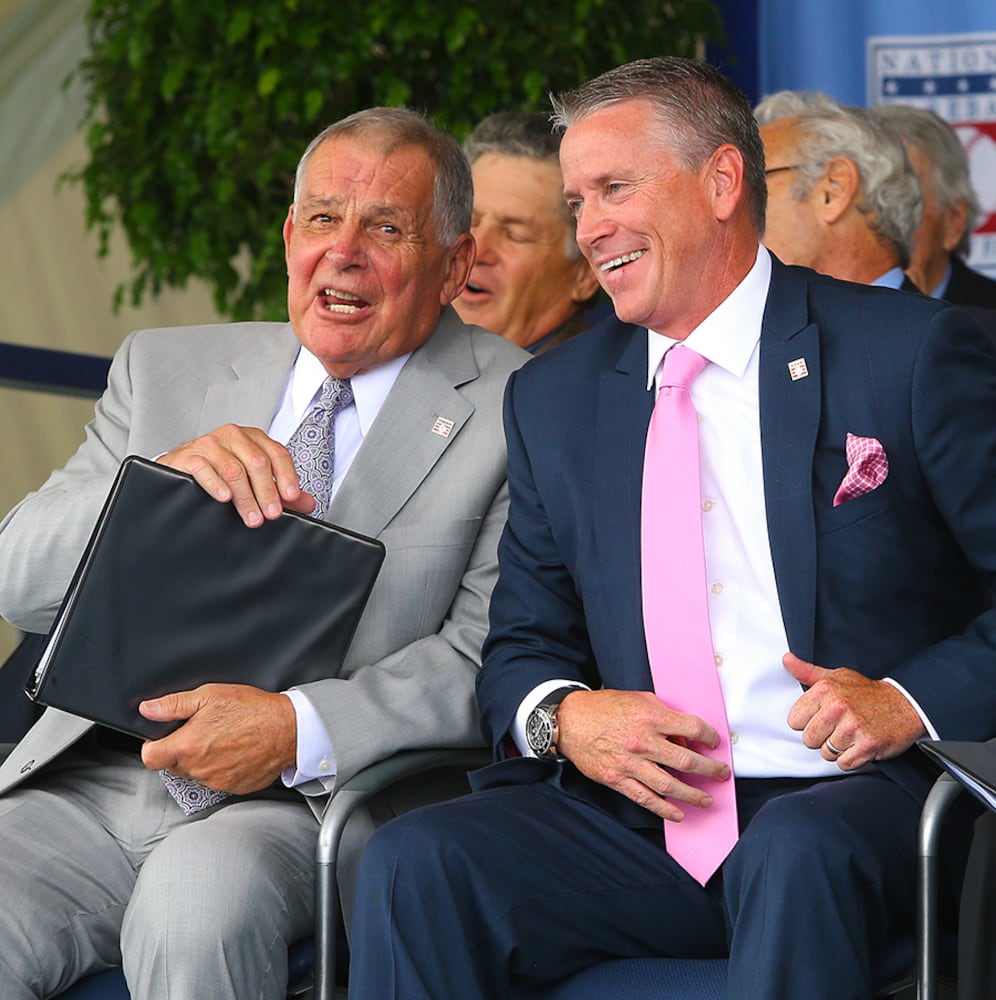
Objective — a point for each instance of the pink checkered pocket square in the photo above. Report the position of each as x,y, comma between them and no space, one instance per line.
867,467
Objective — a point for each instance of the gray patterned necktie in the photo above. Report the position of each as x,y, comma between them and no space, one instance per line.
312,446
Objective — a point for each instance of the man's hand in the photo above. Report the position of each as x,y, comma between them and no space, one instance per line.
236,738
632,742
244,466
865,720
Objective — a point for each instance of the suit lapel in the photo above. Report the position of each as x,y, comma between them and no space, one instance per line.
621,415
790,402
251,389
420,418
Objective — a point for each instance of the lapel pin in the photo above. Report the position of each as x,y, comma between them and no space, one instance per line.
442,427
798,369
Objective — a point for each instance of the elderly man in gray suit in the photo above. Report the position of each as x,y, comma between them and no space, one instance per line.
99,865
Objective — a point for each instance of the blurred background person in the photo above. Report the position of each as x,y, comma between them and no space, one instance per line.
529,283
942,243
842,196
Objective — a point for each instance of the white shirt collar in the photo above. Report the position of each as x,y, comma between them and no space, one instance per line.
728,336
370,388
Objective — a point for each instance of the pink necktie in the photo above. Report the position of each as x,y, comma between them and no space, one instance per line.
675,607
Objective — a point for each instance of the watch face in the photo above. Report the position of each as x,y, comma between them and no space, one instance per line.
539,731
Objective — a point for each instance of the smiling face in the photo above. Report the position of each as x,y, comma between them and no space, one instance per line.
367,275
523,285
667,243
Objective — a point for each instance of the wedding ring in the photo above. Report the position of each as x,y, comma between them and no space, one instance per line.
832,748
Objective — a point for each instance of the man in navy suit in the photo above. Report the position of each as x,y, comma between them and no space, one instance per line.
848,599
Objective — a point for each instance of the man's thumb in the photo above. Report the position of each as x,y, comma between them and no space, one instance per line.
805,673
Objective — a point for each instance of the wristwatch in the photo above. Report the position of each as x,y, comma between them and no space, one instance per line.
542,732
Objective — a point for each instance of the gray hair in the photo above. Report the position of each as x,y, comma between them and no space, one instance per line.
514,133
891,197
453,187
528,134
939,142
697,110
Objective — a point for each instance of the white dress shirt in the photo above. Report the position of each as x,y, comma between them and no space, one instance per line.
744,612
315,757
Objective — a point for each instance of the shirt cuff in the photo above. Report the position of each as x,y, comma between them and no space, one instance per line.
528,703
931,731
315,757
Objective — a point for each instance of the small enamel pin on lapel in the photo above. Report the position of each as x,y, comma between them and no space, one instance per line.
797,369
442,427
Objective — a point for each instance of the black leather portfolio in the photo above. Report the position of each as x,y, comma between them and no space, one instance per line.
174,591
973,764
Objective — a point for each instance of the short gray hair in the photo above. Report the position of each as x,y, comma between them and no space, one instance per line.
514,133
939,142
453,188
528,134
891,198
697,109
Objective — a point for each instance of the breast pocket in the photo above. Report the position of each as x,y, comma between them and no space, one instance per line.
866,506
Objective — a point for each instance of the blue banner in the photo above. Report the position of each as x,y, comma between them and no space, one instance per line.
938,54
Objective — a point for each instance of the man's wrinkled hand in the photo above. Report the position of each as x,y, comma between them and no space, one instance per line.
236,738
864,719
245,467
634,743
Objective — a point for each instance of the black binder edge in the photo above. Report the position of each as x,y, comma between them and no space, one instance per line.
947,754
37,674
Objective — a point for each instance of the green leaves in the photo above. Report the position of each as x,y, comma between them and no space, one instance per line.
198,112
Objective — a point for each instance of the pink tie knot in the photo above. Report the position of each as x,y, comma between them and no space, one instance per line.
681,366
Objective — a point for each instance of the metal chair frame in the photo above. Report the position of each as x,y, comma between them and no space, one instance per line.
408,763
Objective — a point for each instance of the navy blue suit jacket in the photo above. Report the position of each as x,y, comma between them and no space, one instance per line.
895,582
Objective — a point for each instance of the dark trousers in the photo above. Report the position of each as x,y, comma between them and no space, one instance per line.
498,893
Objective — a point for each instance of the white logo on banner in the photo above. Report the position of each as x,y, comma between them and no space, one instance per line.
955,77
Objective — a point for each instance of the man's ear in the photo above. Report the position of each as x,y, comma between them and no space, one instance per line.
288,229
585,282
839,189
724,173
955,221
461,260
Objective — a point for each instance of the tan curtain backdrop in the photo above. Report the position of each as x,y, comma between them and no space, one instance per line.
54,292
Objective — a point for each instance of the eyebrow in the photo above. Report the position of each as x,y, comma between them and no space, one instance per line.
595,182
515,220
375,211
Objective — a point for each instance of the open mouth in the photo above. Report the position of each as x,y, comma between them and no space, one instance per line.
339,301
617,262
475,289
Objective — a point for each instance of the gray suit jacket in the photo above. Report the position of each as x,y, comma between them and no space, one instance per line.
437,502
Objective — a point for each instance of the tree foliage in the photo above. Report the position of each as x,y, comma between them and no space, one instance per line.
198,111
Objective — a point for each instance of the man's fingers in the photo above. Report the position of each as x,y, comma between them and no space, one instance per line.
664,793
246,467
685,760
684,729
170,707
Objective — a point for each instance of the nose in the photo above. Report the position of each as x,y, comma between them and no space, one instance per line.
484,237
591,224
347,247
